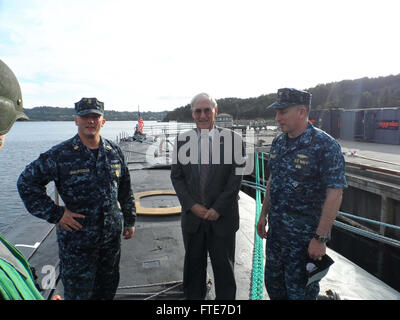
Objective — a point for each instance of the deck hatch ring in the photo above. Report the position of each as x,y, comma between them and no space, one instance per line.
155,211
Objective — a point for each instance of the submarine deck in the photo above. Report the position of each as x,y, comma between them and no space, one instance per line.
152,261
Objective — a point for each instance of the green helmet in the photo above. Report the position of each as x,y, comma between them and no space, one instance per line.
10,99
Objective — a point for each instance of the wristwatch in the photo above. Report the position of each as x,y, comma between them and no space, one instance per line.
321,239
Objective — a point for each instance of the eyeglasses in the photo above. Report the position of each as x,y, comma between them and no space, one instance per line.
207,112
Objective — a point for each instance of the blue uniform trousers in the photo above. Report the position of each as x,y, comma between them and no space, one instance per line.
89,268
285,267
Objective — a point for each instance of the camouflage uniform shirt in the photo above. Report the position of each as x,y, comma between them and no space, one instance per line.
96,188
301,172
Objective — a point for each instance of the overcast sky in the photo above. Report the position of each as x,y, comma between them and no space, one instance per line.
157,54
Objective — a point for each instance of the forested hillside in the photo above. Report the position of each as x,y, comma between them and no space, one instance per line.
382,92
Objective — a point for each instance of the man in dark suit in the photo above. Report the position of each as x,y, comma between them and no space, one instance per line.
207,175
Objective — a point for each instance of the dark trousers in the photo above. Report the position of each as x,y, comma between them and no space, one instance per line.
222,256
90,272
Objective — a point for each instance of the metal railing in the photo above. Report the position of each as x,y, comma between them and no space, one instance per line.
356,230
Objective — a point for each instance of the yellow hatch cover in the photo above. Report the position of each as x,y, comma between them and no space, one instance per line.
155,211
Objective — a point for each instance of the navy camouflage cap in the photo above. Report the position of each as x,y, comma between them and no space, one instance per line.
289,97
89,105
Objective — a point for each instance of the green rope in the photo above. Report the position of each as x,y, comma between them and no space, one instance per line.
14,285
257,283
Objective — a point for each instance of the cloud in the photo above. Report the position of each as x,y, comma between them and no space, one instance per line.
158,54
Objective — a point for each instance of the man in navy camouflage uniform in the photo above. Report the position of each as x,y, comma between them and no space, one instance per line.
93,181
304,193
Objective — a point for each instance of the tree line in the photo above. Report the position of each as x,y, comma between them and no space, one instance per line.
46,113
381,92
